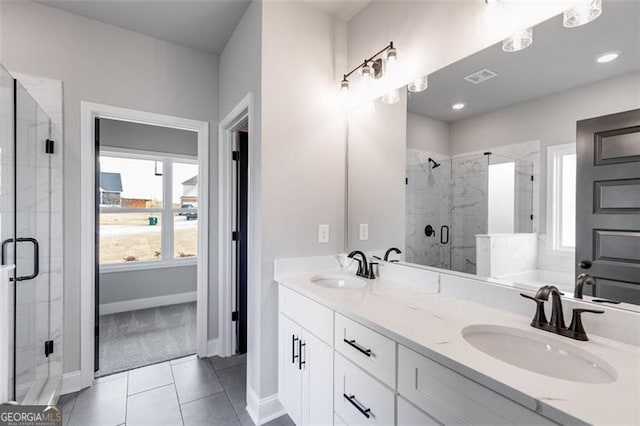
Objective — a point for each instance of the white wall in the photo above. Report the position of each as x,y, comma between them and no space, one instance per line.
551,120
131,285
428,134
303,152
240,74
105,64
377,172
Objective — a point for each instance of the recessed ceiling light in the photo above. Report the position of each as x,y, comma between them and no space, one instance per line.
607,57
459,105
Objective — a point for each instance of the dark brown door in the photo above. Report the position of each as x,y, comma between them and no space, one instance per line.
608,205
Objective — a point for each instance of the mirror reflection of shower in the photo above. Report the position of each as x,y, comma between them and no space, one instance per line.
465,195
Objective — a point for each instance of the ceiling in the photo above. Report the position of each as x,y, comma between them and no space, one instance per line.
559,59
340,9
200,24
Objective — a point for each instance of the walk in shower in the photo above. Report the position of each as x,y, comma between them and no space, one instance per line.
449,201
26,152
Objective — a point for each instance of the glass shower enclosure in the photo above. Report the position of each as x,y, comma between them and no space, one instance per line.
451,200
25,232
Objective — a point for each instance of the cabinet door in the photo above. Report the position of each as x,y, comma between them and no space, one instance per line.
317,381
408,415
289,375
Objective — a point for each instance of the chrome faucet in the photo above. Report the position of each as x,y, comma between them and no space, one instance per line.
556,325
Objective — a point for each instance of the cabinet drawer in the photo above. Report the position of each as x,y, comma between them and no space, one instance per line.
452,398
409,415
316,318
369,350
359,399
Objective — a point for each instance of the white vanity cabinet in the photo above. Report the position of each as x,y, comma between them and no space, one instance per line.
334,370
305,376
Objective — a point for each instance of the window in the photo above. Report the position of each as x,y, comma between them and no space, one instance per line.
148,209
561,196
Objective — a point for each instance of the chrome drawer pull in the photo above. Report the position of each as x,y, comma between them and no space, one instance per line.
352,399
356,346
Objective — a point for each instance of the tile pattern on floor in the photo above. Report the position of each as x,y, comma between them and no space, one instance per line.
186,392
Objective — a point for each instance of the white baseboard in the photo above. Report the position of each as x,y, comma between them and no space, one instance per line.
263,410
71,382
148,302
213,347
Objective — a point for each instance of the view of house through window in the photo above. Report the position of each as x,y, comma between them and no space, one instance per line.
148,208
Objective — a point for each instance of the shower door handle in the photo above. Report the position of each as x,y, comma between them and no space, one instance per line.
36,256
442,239
4,250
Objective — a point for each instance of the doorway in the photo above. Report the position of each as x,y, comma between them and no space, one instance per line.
146,244
165,214
240,158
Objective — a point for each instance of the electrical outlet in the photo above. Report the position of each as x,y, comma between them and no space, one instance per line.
323,234
364,232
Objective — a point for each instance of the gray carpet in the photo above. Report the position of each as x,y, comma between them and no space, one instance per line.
148,336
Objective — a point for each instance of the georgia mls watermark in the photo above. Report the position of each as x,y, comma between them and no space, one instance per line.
30,415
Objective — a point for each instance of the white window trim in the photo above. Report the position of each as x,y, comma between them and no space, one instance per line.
166,211
554,171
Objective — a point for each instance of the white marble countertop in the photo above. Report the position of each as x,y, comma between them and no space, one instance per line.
422,321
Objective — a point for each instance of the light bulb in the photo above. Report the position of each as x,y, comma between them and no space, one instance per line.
582,13
392,59
344,85
366,71
518,41
418,85
391,97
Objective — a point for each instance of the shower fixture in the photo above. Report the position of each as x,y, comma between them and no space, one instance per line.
433,163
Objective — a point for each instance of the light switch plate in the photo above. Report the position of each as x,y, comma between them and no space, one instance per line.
323,234
364,232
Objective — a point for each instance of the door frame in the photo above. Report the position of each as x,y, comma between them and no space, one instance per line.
229,125
89,112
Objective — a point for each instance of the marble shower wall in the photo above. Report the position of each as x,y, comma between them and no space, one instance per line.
428,202
45,220
469,209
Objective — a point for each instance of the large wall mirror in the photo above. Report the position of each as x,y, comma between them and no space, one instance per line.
479,173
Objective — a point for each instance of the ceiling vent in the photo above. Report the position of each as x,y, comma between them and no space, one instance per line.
480,76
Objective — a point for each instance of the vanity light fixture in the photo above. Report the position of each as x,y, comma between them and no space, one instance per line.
418,85
372,68
582,13
518,41
607,57
458,106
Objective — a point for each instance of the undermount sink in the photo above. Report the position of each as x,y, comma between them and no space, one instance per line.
337,281
534,352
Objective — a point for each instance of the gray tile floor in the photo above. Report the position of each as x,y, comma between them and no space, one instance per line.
187,391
